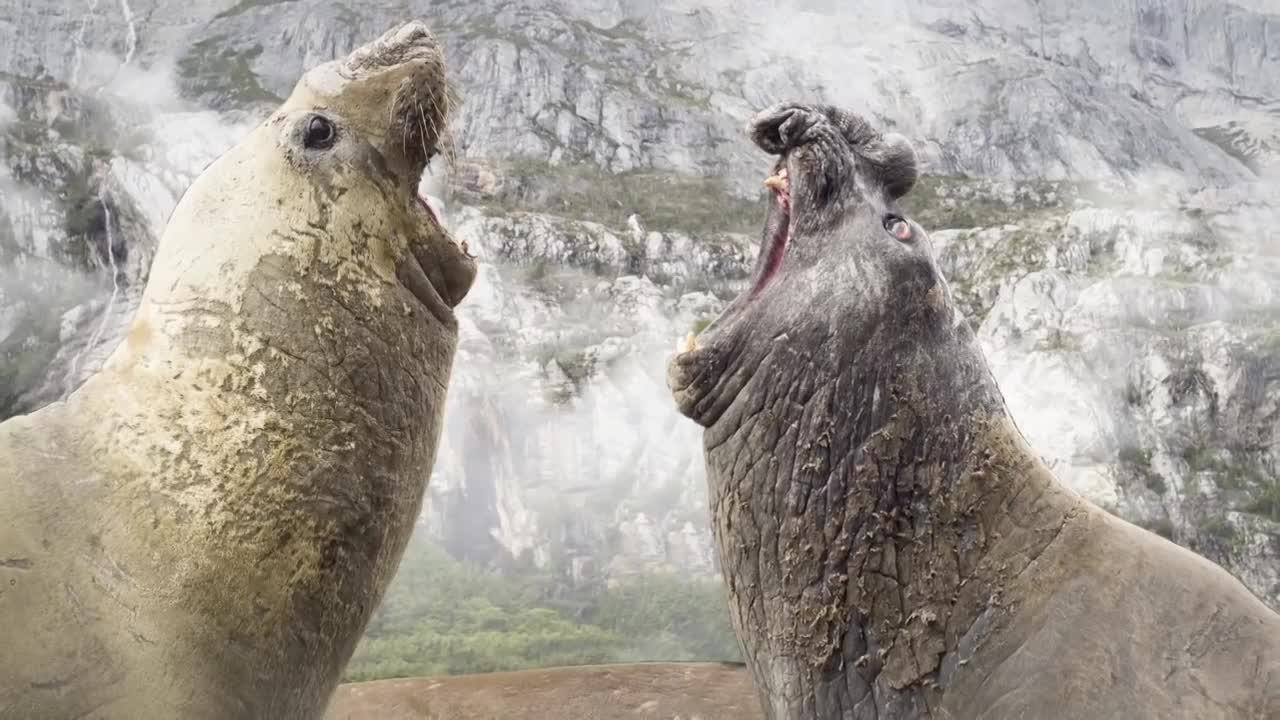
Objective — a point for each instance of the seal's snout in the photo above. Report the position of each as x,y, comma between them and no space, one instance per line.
413,35
410,41
782,128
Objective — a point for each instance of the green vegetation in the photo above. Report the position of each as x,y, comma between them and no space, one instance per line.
246,5
1137,461
927,204
23,365
1202,458
940,202
1022,251
225,76
667,617
664,201
1061,341
625,31
1253,488
442,616
577,364
677,91
1219,528
83,220
1160,526
1268,341
555,280
1266,500
1135,393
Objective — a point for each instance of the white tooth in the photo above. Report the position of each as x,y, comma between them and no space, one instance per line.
688,344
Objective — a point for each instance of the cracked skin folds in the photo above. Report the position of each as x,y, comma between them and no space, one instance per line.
893,548
202,529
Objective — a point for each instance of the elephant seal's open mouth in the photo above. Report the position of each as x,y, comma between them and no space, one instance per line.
775,245
832,225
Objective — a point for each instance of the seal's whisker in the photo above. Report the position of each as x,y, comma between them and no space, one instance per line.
391,113
402,121
422,138
444,139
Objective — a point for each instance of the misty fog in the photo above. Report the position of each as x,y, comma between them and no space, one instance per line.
1104,193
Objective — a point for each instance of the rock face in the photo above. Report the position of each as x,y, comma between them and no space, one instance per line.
1101,188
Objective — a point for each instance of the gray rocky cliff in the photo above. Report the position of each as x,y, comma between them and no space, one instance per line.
1101,188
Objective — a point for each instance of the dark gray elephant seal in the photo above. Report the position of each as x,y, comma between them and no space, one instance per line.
203,528
892,546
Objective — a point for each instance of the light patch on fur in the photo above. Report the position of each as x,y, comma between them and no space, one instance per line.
207,266
364,265
937,298
326,79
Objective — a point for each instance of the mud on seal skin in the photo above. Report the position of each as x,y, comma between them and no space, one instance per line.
892,546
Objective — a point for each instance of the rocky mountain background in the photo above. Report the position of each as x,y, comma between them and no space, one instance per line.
1102,187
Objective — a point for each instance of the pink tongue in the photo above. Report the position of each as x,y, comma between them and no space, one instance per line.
427,206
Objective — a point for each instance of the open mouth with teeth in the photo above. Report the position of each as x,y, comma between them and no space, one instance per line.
775,245
442,269
772,251
428,204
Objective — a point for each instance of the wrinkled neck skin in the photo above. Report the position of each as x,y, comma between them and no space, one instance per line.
261,440
290,409
895,486
870,494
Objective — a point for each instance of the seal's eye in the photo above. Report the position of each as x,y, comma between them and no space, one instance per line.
897,227
320,133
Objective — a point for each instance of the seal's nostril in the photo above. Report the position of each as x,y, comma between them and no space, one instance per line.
413,33
412,40
783,127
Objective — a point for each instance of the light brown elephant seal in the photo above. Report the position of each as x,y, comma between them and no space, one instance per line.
893,547
204,527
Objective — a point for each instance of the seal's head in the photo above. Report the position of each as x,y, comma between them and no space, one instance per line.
842,275
329,181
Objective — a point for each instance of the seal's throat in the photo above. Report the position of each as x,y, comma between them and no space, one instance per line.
775,244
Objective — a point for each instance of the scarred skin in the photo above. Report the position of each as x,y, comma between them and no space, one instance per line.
892,546
204,527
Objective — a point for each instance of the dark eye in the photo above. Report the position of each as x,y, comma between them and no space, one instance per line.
897,227
320,133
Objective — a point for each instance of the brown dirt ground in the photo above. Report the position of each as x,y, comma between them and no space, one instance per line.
643,691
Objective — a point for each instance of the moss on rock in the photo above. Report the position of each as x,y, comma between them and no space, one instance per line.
222,76
664,201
